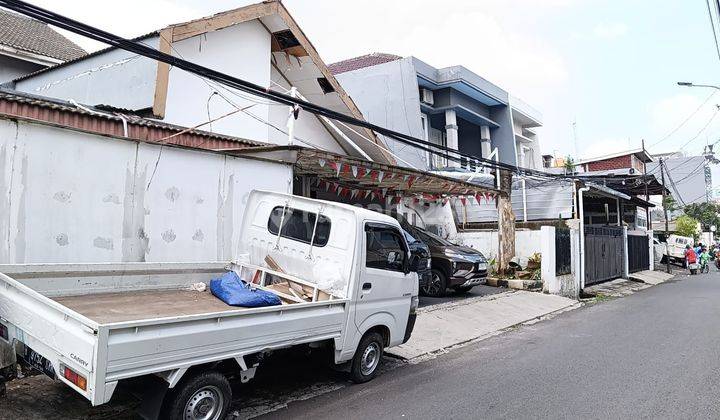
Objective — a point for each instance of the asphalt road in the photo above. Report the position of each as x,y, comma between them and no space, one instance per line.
653,354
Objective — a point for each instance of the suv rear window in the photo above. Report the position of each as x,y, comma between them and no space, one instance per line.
298,225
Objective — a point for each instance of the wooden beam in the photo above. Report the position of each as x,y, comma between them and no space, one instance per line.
162,76
223,20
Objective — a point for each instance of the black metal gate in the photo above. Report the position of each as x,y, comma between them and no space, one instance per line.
603,254
638,253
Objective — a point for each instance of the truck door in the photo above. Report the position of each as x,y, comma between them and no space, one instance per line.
384,290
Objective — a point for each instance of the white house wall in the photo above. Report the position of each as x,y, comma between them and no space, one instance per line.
76,197
116,77
388,95
241,50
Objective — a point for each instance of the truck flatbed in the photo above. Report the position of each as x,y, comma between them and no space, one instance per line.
109,308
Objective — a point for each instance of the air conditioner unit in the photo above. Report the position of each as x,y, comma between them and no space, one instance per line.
426,96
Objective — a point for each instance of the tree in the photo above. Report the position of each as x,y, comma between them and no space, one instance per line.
569,164
686,226
705,213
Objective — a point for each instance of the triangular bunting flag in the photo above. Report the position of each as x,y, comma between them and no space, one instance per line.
321,162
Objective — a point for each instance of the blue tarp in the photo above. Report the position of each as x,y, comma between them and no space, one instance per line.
232,290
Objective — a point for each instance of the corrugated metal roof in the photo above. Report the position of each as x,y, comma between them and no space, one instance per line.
86,118
30,35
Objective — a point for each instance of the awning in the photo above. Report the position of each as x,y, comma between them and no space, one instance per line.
349,176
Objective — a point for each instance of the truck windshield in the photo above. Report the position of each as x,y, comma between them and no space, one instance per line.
298,225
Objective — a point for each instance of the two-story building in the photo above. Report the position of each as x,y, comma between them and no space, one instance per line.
451,106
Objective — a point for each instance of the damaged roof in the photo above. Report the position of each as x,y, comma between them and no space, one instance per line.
367,60
29,35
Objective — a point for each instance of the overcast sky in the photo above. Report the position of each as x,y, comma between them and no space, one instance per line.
608,65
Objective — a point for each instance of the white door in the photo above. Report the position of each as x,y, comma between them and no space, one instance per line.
384,290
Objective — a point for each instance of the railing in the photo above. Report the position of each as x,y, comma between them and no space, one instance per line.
563,256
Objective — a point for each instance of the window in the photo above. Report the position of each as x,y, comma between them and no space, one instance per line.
298,225
385,248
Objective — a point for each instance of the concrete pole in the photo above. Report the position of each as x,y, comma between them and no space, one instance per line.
667,222
451,134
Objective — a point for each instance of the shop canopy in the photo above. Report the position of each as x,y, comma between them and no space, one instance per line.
353,177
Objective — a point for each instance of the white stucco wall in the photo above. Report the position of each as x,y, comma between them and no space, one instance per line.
74,197
242,51
527,242
118,78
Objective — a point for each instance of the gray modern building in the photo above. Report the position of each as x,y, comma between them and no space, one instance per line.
450,106
28,45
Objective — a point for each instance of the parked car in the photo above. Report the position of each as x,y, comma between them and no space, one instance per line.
452,266
93,326
420,259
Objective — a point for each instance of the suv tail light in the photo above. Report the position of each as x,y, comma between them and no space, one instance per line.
4,332
75,378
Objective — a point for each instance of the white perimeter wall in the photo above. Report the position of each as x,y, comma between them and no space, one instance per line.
527,242
68,196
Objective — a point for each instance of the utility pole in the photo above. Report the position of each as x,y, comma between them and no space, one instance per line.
667,223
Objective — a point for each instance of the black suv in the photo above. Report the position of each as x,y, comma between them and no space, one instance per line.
420,259
453,266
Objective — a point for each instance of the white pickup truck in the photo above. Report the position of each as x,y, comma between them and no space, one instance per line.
343,274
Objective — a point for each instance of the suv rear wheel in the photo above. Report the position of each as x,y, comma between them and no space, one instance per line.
437,285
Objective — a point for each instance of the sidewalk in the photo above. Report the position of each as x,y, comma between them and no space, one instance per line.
446,325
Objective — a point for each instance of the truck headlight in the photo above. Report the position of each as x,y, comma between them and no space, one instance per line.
428,264
482,266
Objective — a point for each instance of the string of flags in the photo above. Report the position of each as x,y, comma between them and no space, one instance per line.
454,193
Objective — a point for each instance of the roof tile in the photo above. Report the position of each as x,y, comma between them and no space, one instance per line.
361,62
30,35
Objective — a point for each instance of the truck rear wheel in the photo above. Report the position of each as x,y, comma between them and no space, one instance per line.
367,358
205,396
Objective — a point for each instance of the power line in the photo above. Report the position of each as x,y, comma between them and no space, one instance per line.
712,25
674,130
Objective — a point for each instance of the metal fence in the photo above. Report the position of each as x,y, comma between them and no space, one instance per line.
562,252
638,253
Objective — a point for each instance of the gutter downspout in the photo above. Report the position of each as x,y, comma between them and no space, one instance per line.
581,213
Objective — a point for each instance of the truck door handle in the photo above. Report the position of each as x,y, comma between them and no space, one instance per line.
367,286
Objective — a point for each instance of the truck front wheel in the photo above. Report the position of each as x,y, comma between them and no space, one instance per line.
367,358
205,396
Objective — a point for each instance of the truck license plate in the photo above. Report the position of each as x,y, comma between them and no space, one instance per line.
38,362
